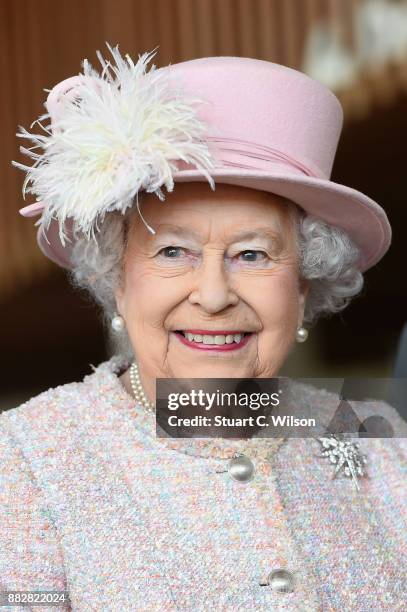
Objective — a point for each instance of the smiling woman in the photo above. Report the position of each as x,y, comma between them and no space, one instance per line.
252,244
210,287
243,291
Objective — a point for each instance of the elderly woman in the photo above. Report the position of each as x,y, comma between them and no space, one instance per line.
252,244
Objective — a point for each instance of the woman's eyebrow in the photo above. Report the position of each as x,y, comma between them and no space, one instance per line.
274,240
175,230
260,232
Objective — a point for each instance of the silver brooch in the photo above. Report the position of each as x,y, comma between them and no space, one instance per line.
345,455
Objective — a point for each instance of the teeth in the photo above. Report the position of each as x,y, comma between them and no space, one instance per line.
210,339
193,337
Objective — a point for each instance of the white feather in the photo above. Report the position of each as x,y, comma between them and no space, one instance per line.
111,141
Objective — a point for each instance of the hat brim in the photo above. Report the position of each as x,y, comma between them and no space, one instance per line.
361,217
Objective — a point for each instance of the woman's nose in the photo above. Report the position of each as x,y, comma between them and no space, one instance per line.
212,287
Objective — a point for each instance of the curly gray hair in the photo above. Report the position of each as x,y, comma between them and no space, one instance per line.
328,260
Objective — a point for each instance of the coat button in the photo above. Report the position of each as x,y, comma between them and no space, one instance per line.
241,468
281,580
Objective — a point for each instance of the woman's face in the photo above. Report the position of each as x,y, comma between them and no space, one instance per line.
221,262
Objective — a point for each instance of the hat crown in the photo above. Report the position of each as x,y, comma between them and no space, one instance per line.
268,105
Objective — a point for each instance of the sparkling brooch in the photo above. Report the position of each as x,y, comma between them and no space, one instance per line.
345,454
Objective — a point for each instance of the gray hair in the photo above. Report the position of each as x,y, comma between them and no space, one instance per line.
327,255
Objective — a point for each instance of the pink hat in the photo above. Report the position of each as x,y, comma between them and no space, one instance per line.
259,125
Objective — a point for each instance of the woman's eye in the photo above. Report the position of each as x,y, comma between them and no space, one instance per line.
252,255
170,252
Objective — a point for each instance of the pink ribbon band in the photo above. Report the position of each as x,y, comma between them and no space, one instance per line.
252,150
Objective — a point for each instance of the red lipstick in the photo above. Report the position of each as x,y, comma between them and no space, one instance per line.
200,346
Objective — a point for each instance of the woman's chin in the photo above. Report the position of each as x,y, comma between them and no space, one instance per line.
213,368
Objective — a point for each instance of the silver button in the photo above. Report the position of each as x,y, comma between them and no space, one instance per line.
281,580
241,468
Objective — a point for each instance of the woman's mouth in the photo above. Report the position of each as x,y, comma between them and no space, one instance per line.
205,340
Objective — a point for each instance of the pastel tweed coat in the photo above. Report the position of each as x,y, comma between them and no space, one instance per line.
92,502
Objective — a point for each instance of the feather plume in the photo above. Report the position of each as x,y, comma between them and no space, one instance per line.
120,132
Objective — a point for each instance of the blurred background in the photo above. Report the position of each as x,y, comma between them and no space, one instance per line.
50,333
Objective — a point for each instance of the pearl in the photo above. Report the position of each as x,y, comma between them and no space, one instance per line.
117,323
301,334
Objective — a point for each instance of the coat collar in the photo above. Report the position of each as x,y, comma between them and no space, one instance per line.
220,448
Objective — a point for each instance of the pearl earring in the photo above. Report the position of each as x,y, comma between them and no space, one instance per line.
117,323
301,334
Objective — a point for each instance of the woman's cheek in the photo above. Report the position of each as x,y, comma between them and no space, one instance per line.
151,304
280,302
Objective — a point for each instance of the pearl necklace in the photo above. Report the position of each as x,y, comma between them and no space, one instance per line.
138,390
